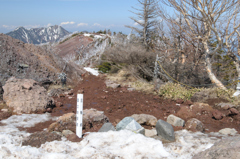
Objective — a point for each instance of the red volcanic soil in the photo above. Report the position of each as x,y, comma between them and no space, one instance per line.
119,103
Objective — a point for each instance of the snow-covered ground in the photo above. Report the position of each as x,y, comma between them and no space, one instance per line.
92,71
119,145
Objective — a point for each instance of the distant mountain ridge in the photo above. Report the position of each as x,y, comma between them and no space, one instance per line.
39,35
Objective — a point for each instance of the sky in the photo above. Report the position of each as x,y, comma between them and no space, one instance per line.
73,15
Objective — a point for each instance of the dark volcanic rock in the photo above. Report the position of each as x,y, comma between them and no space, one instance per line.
39,138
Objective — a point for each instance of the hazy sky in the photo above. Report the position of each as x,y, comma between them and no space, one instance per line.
73,15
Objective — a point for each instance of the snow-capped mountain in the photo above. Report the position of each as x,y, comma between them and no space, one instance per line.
39,35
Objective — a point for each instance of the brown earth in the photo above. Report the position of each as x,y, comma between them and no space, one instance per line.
119,103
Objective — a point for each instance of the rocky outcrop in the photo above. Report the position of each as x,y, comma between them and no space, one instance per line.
226,148
26,96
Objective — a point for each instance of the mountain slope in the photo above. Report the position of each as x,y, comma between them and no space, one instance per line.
39,35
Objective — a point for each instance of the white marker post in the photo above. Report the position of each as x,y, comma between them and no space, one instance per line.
79,115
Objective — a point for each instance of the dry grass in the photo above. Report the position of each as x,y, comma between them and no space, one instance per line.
125,78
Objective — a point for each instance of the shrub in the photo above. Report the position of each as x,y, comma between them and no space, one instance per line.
176,91
134,57
104,67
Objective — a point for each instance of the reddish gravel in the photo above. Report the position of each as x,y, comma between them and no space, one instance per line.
119,103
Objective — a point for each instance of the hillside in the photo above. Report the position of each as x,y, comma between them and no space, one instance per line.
24,60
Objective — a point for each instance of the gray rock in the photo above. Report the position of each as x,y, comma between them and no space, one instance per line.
128,123
175,121
226,148
145,119
107,127
66,133
228,131
225,106
165,130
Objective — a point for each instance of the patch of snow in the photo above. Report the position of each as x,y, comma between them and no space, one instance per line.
122,144
92,71
85,34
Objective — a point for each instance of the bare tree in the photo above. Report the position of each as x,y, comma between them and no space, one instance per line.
205,19
145,19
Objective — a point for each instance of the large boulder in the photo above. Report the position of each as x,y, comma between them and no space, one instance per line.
145,119
226,148
91,117
128,123
26,96
165,130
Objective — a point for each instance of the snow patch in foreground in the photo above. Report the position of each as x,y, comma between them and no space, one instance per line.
113,144
92,71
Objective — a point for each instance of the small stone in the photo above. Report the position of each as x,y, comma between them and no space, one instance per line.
81,91
175,121
67,132
217,115
228,131
234,111
59,104
49,110
194,125
150,133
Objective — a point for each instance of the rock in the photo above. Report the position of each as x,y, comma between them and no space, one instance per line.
150,133
225,106
165,130
228,131
74,138
112,84
194,125
26,96
129,123
226,148
67,132
91,117
107,127
233,111
188,102
38,138
5,115
145,119
175,121
217,115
